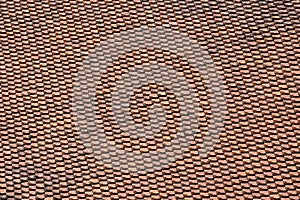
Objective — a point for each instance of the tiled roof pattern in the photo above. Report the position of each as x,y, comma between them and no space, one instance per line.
254,45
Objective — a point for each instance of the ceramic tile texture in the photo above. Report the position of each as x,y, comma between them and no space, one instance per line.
254,45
